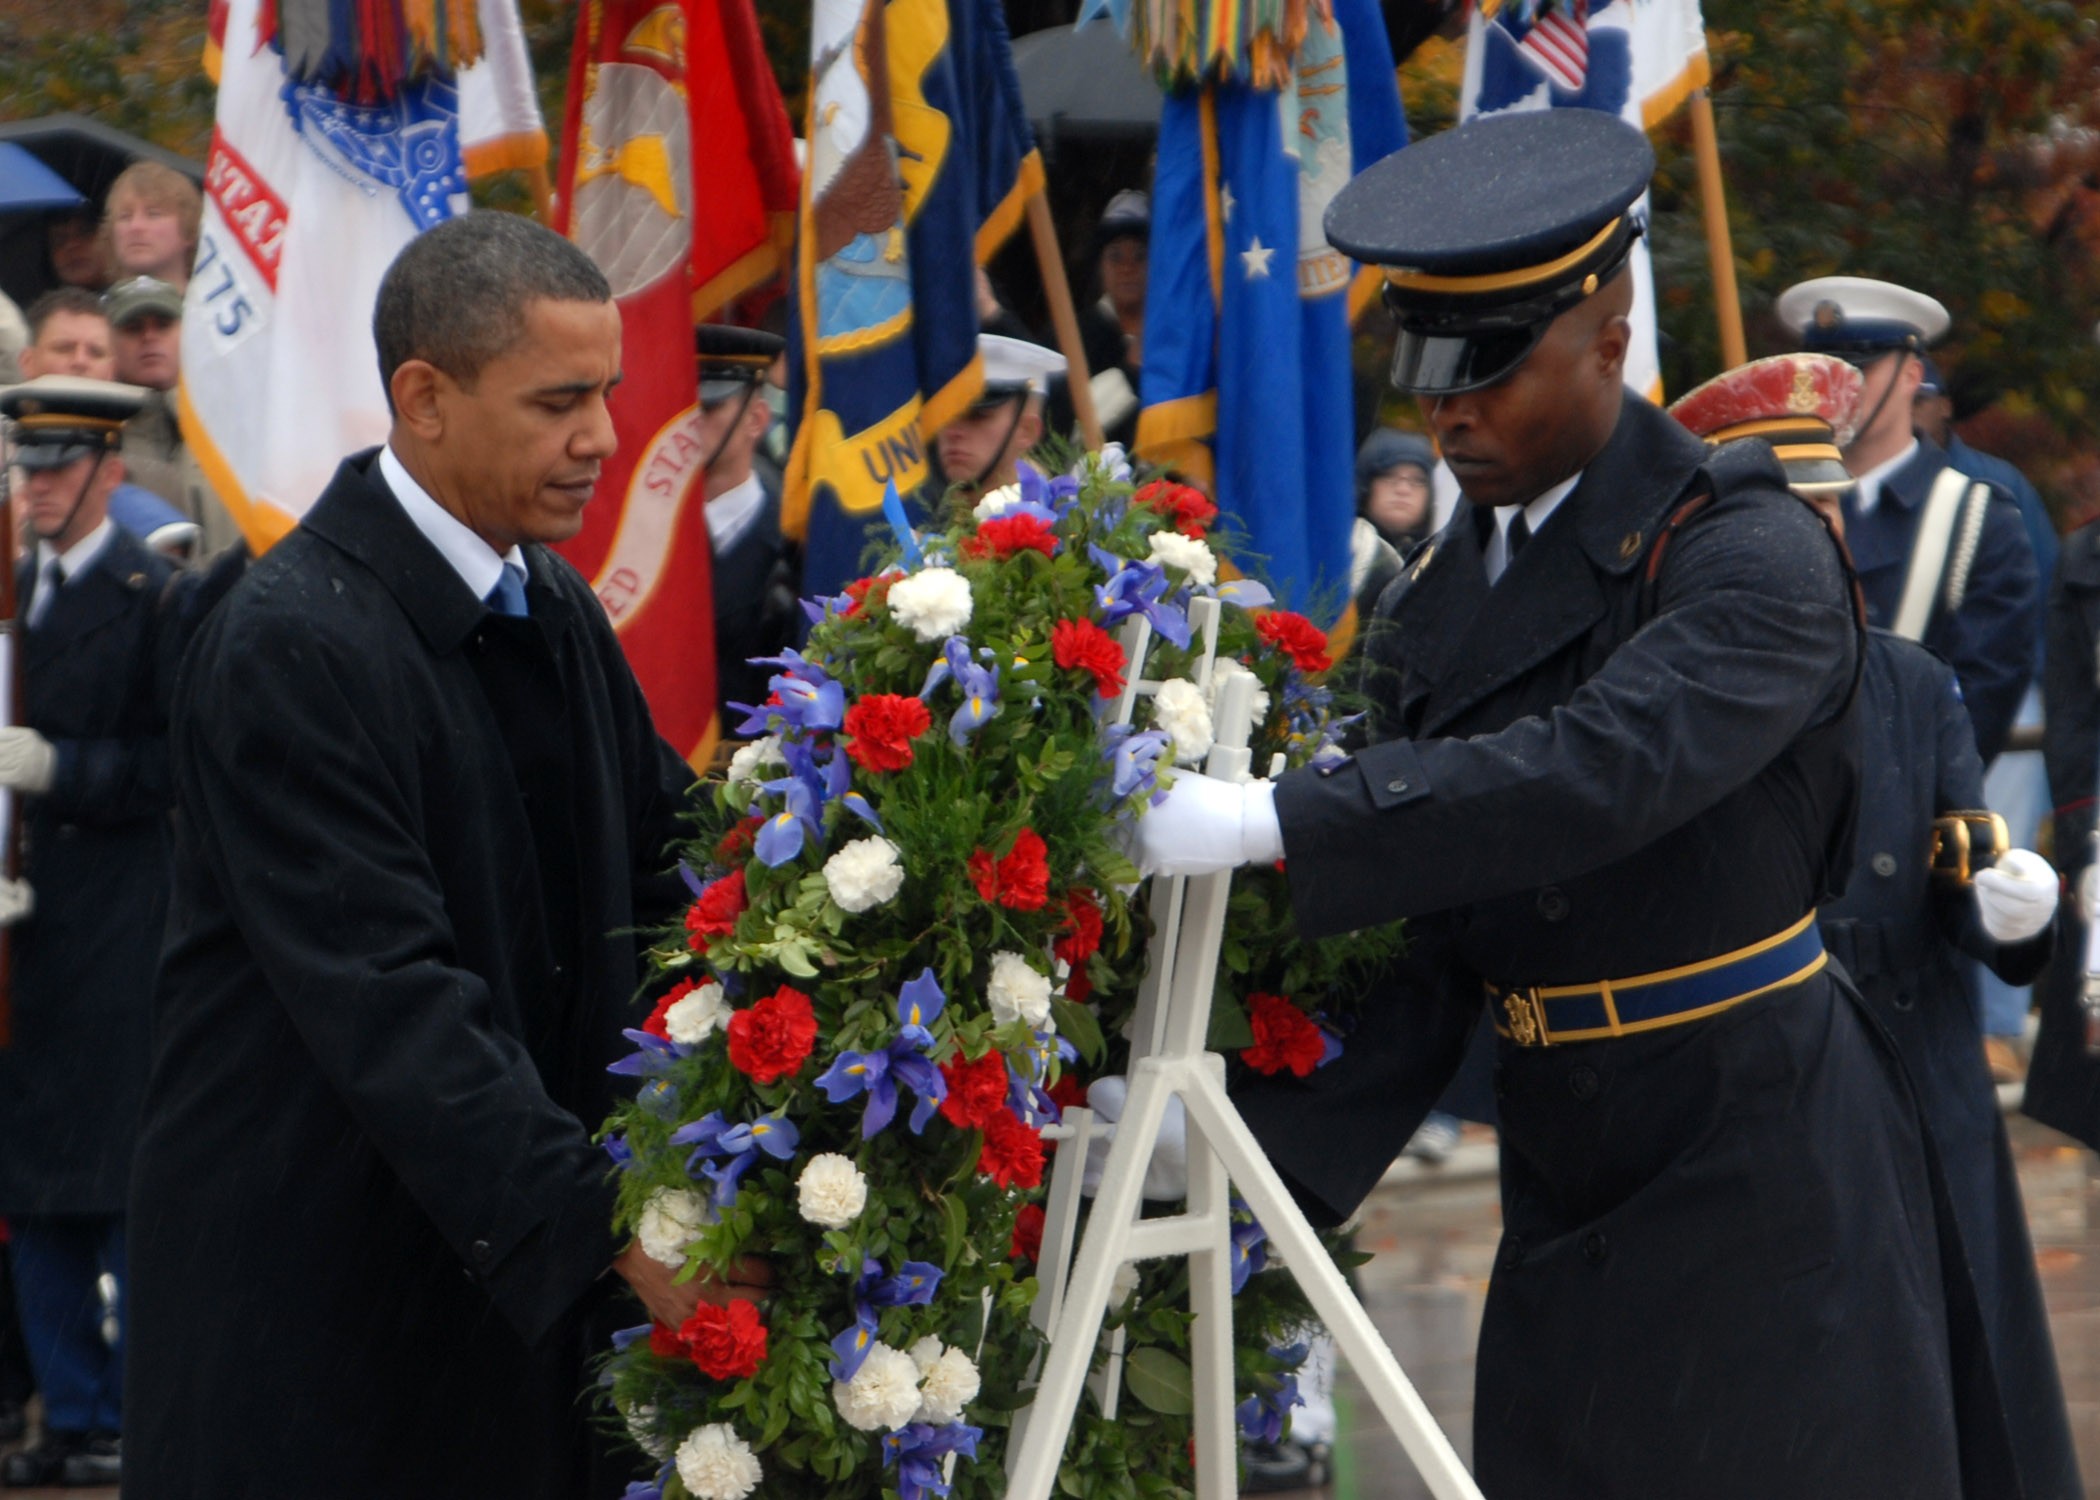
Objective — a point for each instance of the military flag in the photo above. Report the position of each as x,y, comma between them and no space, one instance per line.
333,144
678,178
920,164
1246,383
1638,59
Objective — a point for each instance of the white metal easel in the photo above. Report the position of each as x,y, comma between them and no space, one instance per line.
1168,1061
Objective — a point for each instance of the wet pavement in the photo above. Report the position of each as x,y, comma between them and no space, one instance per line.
1433,1242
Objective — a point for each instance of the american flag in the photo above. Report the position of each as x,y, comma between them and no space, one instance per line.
1555,35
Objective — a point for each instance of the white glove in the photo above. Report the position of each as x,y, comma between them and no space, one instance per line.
1206,825
17,901
2016,897
2089,890
26,760
1167,1174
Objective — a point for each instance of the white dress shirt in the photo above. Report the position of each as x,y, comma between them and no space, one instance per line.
478,564
730,514
1536,512
70,563
1868,493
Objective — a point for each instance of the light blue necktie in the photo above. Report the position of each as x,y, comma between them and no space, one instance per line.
508,596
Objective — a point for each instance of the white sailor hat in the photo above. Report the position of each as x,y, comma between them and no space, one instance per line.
1857,317
1013,367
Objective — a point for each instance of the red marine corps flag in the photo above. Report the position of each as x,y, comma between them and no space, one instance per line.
672,107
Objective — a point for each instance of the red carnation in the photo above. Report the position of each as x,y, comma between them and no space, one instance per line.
715,913
1013,1152
882,726
1003,536
736,843
727,1343
655,1025
1187,508
1021,880
976,1091
1284,1037
1305,641
1083,646
665,1343
772,1039
1081,938
1028,1234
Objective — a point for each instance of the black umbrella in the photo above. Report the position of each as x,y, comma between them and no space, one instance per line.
89,155
1084,83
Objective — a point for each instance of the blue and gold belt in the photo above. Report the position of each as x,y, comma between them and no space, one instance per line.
1547,1015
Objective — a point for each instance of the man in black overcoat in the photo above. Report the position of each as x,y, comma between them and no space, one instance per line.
91,761
1614,771
421,810
757,571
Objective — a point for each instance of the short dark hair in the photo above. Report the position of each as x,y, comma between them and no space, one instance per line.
456,296
61,299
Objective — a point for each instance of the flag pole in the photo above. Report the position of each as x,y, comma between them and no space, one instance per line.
1062,316
1720,249
542,186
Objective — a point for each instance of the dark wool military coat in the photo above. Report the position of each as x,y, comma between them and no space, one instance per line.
96,854
1901,935
756,611
413,839
1721,1272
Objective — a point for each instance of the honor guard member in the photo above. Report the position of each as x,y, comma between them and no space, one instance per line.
90,763
1942,558
755,568
1933,885
978,450
1613,771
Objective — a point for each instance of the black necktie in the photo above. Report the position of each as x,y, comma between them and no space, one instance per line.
52,580
1519,534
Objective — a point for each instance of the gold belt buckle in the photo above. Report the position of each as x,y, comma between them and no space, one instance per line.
1525,1014
1965,842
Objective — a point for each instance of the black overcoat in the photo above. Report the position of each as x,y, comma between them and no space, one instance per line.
1721,1272
413,839
756,610
1902,935
96,854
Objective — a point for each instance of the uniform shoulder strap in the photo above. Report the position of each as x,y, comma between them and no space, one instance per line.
1928,554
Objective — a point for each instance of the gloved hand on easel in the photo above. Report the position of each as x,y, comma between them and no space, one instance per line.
1167,1174
1205,825
27,760
2016,896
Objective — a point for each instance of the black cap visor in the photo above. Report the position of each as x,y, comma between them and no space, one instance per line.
33,457
1446,364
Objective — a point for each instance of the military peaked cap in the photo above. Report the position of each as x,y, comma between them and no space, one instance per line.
55,419
1860,317
1804,405
732,359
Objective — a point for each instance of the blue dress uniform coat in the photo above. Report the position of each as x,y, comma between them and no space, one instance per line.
96,854
2063,1080
756,609
1990,638
1901,936
1721,1272
414,839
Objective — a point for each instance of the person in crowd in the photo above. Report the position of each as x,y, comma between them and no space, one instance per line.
1941,558
73,240
90,761
1112,329
70,335
978,450
422,815
1614,771
145,319
14,337
1392,485
150,220
2017,784
755,573
1933,891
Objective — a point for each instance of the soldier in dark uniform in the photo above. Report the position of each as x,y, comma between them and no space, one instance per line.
1921,903
91,762
1614,771
978,450
757,572
1942,558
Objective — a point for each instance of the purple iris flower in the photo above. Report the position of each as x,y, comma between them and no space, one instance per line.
621,1153
850,1349
1133,756
918,1450
641,1489
919,1003
1262,1416
723,1152
837,786
1025,1094
622,1337
877,1075
1246,593
809,699
655,1057
1135,589
1056,494
781,836
914,1285
1250,1247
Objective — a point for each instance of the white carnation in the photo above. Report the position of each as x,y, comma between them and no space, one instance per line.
751,758
715,1464
671,1220
1179,709
696,1016
947,1383
1261,706
1172,549
831,1191
863,874
997,503
1125,1282
933,602
883,1394
641,1426
1017,992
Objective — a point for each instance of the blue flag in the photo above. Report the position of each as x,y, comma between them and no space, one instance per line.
920,163
1246,383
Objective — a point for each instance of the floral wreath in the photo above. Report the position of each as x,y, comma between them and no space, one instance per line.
912,931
